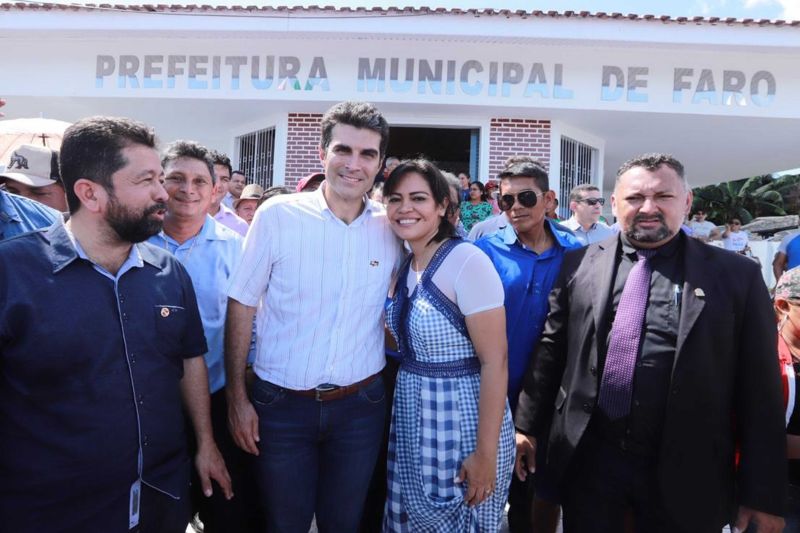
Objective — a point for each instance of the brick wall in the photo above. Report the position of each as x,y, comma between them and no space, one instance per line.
517,136
302,147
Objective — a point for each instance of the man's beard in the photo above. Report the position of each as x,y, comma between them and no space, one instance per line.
131,226
648,235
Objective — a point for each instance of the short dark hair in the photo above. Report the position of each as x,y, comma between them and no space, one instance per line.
222,159
652,162
190,150
440,190
92,149
362,115
577,192
482,187
528,167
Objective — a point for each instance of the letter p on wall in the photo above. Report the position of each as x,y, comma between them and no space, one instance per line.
105,67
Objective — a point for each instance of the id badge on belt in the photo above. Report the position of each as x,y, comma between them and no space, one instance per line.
133,510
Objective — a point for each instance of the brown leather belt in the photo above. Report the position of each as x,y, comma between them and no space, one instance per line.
327,392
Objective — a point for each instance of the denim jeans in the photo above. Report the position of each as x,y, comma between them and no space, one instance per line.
316,457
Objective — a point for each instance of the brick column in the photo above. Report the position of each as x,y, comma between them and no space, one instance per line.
517,136
302,147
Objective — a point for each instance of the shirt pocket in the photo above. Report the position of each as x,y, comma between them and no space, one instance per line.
170,326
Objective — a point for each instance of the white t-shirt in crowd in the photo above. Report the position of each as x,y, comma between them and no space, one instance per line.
701,229
735,241
466,277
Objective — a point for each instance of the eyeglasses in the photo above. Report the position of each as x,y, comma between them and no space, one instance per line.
525,198
593,201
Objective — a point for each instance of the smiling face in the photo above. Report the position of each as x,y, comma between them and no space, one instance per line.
650,205
351,161
526,219
413,213
190,188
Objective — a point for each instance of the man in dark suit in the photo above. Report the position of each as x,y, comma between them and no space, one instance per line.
657,364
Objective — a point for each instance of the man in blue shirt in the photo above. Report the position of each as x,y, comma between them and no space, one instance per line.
20,215
210,252
100,338
527,254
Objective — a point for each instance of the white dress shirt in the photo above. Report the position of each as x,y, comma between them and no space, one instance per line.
320,286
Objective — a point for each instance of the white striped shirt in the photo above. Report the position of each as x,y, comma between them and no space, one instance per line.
320,287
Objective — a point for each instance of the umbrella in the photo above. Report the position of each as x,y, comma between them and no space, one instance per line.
40,131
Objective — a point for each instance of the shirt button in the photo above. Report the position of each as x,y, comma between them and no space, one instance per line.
636,403
639,364
144,441
141,400
587,408
593,370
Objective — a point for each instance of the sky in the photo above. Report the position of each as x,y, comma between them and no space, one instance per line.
755,9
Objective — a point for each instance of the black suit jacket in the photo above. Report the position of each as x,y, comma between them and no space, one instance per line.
725,391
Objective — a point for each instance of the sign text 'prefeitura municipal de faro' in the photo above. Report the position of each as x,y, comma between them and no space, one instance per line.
466,78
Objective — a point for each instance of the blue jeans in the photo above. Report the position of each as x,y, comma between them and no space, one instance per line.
316,457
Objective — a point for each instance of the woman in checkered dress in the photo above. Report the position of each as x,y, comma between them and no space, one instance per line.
451,446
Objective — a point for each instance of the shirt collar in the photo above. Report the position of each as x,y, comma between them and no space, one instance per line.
207,231
667,249
563,237
319,196
8,210
65,248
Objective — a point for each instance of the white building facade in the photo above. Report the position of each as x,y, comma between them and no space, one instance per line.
582,92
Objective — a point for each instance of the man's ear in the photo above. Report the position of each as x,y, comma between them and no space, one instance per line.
92,195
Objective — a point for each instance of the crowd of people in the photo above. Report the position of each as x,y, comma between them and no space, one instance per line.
178,345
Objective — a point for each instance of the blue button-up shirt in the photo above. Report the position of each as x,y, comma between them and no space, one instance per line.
210,258
527,280
20,215
90,397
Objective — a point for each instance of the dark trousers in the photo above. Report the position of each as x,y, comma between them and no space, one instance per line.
242,513
316,458
520,499
161,513
604,483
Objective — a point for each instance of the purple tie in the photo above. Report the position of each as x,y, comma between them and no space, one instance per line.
616,386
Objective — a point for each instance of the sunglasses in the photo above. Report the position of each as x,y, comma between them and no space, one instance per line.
525,198
593,201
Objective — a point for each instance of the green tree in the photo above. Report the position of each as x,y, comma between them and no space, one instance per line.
744,199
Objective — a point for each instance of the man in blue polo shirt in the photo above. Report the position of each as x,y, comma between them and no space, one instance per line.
100,339
20,215
527,254
210,252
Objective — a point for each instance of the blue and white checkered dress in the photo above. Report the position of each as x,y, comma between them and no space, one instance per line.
435,419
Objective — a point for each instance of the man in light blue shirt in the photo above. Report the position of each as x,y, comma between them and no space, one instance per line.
20,215
586,204
210,252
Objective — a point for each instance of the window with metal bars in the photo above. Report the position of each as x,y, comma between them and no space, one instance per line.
578,162
257,155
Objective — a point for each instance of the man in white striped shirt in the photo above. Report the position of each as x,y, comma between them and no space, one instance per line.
317,266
